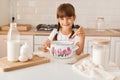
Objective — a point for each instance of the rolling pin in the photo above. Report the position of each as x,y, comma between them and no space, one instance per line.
79,58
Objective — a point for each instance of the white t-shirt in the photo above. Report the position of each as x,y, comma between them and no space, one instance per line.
62,37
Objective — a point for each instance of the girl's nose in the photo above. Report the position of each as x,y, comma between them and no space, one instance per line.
65,20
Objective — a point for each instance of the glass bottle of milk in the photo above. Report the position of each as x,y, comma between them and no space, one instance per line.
13,42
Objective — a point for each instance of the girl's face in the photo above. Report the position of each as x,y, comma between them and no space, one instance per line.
66,22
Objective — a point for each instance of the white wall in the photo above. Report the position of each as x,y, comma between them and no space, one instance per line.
4,12
87,11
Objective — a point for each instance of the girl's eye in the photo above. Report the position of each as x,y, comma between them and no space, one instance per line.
62,18
69,17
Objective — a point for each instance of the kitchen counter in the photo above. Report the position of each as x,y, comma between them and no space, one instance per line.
48,71
88,32
94,32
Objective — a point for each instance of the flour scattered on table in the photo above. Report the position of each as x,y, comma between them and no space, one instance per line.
95,72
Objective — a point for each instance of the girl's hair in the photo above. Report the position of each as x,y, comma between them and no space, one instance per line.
65,10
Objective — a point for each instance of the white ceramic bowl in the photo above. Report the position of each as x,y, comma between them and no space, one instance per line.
62,49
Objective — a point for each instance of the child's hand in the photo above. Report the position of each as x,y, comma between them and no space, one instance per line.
78,32
44,48
45,45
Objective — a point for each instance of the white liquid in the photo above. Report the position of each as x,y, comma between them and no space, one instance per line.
13,50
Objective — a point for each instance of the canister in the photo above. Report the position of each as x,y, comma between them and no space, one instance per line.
100,52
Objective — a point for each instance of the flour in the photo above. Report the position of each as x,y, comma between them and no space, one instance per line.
100,55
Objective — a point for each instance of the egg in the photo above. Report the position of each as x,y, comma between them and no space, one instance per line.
30,56
23,58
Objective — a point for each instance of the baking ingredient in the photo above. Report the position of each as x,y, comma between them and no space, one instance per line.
13,43
99,55
13,50
23,58
25,53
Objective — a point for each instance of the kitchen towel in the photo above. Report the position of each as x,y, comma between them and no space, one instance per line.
88,69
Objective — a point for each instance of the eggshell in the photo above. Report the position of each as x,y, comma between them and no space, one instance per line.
30,56
23,58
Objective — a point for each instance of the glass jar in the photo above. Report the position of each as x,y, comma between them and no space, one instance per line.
100,24
100,52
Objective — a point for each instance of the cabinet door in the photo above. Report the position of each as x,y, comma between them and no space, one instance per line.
38,41
115,50
3,43
88,43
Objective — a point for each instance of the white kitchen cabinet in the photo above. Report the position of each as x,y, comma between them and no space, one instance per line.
38,41
3,45
88,43
115,48
24,38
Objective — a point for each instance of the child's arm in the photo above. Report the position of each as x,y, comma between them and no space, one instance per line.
45,45
80,32
48,41
80,43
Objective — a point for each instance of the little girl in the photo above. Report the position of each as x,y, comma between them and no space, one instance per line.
66,17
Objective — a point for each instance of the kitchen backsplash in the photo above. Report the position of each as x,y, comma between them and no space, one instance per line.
4,13
44,11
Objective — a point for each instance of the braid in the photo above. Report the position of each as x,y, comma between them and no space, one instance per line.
58,28
71,34
72,31
55,37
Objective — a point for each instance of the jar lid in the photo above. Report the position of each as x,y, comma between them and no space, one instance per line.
101,41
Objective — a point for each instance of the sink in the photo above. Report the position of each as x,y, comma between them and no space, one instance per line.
114,30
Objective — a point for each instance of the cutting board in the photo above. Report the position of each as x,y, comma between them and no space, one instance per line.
20,27
5,65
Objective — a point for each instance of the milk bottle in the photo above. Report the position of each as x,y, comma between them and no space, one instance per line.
13,42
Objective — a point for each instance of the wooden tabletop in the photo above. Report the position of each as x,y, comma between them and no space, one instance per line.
88,32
